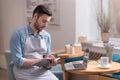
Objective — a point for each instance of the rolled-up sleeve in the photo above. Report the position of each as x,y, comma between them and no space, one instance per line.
16,49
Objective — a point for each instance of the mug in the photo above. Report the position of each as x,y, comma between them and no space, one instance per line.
104,61
67,48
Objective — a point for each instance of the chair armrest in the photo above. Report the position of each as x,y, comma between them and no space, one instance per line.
63,57
57,71
12,77
70,55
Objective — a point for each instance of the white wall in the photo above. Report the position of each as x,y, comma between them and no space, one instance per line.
12,17
82,18
1,27
93,27
85,20
76,19
65,33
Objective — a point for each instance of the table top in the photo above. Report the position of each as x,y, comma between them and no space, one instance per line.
71,55
93,69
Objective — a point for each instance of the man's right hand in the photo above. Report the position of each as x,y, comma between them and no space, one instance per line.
43,62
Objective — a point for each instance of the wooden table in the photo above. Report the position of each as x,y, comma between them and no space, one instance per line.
92,68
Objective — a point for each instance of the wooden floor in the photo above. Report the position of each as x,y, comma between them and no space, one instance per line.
3,74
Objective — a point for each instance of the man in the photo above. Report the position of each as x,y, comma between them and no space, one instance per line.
30,48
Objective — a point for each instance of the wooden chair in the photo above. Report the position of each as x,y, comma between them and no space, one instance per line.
115,58
68,58
94,55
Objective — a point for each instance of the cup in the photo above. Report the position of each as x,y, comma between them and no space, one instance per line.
67,48
104,61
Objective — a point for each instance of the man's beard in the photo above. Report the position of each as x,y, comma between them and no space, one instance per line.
36,26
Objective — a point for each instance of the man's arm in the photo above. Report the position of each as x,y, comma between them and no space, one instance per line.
17,51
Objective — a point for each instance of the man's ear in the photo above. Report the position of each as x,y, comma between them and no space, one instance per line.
35,15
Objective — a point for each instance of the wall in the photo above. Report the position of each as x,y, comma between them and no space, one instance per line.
85,20
12,17
1,28
93,27
82,18
76,20
65,33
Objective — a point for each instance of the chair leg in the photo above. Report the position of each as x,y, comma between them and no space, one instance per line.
65,77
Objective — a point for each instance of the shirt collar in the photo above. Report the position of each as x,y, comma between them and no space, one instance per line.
30,31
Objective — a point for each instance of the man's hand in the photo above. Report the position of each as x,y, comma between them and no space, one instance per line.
52,60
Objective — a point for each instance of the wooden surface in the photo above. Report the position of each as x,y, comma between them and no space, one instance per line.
93,69
58,51
67,55
70,55
99,77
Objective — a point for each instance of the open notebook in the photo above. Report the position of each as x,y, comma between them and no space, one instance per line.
77,64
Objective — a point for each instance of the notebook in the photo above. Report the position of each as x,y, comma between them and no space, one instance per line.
77,64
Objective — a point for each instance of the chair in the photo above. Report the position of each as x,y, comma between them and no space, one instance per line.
9,65
94,55
65,58
115,58
56,69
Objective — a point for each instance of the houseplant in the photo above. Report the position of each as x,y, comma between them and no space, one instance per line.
103,19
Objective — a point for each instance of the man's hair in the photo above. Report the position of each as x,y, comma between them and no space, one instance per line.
41,9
